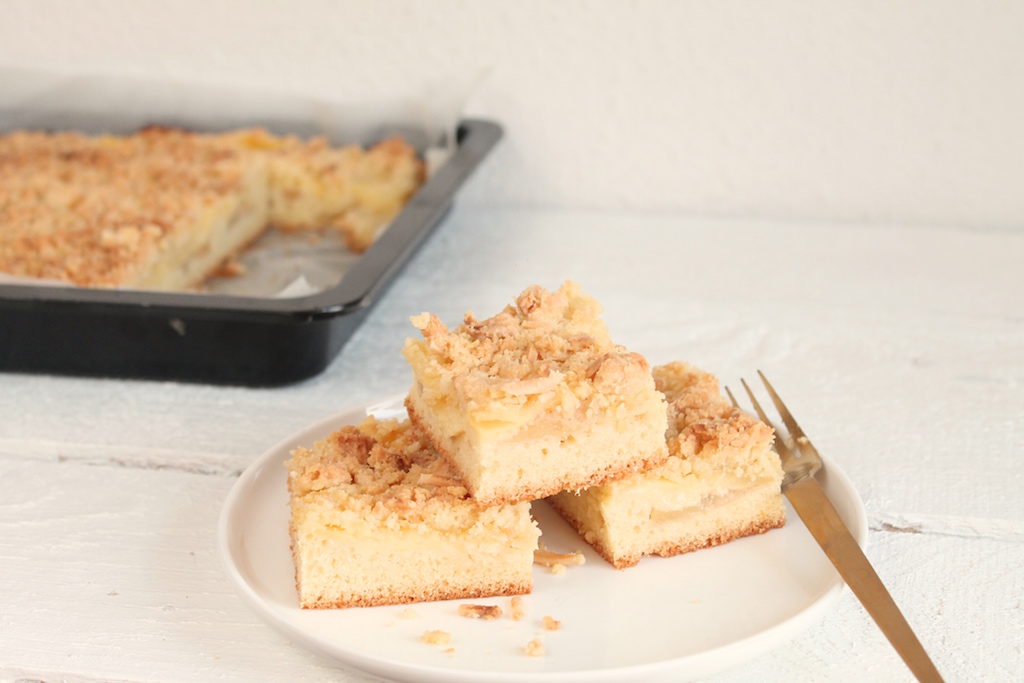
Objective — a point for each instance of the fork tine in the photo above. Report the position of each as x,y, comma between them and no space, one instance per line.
732,398
781,445
801,440
757,406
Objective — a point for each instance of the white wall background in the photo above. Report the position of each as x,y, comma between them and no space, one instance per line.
849,110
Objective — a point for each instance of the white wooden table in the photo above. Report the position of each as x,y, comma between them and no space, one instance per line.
901,351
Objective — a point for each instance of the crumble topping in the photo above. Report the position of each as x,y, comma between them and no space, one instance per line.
699,414
83,208
534,648
548,346
379,468
703,425
96,210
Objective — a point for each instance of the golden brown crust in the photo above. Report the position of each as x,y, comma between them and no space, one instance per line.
97,211
293,547
751,528
389,597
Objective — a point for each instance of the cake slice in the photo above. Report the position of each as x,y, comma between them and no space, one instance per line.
355,190
535,399
377,518
722,481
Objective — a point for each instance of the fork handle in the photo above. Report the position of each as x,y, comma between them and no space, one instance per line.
823,521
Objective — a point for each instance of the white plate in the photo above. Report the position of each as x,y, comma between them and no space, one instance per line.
670,619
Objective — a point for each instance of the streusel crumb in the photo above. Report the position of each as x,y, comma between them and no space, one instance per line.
701,420
436,637
534,648
547,341
551,624
516,609
547,558
485,612
384,467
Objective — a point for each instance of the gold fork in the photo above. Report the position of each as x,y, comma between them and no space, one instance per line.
800,462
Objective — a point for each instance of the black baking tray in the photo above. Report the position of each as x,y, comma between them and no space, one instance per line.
222,339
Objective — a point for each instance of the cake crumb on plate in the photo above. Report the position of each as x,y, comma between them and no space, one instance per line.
516,609
551,624
436,637
485,612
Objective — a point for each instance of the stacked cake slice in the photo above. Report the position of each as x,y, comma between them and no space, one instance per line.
536,399
534,402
